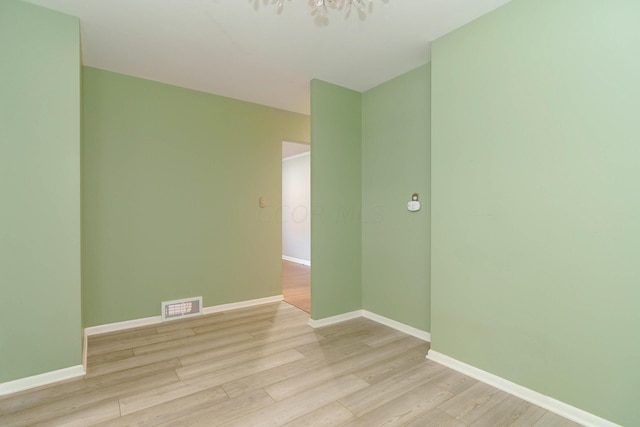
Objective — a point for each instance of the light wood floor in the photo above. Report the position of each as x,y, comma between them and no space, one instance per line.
296,285
264,366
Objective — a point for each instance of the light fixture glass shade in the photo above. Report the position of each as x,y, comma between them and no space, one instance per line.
320,8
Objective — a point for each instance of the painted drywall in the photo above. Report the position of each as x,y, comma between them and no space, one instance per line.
382,134
336,237
296,207
395,164
536,202
171,185
40,320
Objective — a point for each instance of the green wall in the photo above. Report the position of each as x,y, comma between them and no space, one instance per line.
336,236
370,154
395,164
40,320
171,183
536,202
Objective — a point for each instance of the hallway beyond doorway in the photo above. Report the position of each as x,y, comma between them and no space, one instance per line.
296,284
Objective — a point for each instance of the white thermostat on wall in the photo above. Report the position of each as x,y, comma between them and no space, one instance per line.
414,204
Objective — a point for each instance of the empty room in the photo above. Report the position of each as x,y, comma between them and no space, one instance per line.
472,210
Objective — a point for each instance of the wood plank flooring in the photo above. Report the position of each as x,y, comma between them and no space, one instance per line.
264,366
296,285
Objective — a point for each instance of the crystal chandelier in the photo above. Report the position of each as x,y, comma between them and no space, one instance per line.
320,8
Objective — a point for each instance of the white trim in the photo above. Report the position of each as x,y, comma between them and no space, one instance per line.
295,156
41,379
120,326
327,321
563,409
297,260
147,321
409,330
242,304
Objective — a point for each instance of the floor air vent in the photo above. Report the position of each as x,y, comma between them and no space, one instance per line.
179,309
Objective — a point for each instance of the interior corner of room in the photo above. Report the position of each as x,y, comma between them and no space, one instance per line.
520,136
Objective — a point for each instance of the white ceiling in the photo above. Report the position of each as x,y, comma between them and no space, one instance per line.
246,49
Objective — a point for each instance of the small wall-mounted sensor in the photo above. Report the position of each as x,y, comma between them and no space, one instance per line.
262,202
414,204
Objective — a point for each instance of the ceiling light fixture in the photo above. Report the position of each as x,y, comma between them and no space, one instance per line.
320,8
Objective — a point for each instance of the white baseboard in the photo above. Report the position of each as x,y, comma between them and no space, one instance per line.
41,379
563,409
241,304
120,326
147,321
297,260
327,321
409,330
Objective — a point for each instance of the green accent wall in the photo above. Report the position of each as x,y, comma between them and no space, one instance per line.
40,320
395,164
336,208
171,183
536,202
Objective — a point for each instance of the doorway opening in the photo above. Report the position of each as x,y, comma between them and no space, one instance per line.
296,224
